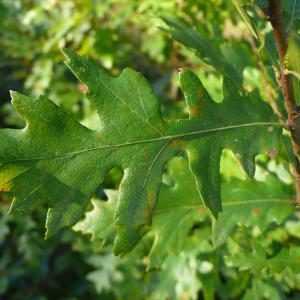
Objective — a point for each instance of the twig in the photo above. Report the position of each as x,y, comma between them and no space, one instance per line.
264,77
281,38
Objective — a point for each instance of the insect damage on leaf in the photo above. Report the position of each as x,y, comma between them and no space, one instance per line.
56,160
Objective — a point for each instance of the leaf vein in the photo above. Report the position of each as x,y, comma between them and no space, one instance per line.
157,139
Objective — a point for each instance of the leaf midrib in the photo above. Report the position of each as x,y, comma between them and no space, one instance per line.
162,138
236,203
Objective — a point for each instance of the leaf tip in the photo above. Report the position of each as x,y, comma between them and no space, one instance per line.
66,52
48,234
120,247
164,19
12,93
15,96
69,55
215,213
19,100
11,211
215,209
15,208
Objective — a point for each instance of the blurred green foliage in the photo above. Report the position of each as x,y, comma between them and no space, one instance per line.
252,262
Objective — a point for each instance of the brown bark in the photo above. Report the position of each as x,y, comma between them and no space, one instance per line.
281,38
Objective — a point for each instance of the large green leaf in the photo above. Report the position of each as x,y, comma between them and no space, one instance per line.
57,160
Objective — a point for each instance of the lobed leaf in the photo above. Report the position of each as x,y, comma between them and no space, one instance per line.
57,160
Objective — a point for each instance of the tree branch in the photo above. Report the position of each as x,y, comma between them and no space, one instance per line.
281,38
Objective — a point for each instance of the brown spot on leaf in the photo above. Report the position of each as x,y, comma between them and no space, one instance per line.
178,143
81,87
195,111
201,92
146,154
99,135
149,206
202,210
6,187
256,212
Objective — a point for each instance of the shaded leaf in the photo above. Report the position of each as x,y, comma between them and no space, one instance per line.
204,48
241,7
252,203
262,290
287,258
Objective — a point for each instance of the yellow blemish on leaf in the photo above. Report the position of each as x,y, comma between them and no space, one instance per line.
256,212
202,210
5,188
150,195
99,134
146,154
178,143
201,93
195,111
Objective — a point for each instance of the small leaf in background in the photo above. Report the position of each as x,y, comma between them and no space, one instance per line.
262,290
286,259
292,13
252,203
99,221
204,48
106,274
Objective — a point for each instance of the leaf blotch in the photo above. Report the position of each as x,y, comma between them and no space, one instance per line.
83,88
256,212
195,111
